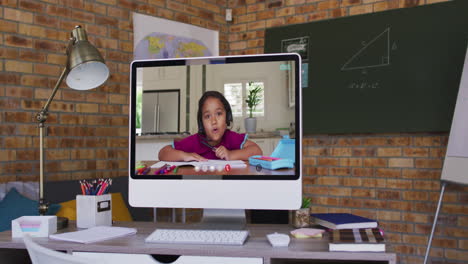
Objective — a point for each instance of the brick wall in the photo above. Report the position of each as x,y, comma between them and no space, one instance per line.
393,178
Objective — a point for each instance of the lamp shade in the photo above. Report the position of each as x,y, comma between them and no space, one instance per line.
87,69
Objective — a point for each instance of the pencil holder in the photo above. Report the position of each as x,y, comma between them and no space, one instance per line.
93,210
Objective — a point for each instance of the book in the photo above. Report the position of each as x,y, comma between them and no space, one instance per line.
94,234
343,221
354,240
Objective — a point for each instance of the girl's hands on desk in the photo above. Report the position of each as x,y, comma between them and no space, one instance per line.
223,153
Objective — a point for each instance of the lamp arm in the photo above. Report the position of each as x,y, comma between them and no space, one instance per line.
41,116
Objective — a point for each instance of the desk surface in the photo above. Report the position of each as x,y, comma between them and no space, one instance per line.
257,245
248,170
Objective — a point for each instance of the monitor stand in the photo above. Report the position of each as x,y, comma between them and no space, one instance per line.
223,219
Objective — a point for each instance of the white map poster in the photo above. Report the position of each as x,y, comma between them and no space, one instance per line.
158,38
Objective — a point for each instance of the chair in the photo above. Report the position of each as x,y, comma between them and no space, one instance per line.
43,255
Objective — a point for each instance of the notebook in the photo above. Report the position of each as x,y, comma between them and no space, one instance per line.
354,240
94,234
343,221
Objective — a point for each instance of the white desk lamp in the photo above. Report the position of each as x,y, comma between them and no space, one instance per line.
86,70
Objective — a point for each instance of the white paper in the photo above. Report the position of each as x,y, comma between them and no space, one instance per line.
94,234
216,163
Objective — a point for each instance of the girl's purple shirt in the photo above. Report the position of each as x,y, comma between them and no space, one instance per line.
230,140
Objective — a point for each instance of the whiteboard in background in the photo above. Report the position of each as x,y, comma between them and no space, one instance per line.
456,160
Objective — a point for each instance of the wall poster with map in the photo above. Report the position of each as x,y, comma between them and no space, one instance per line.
158,38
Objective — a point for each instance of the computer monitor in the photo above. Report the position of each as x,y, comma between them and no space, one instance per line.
169,122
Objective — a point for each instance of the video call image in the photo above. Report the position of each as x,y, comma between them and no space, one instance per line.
208,119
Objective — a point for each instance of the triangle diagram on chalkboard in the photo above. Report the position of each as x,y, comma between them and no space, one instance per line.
375,53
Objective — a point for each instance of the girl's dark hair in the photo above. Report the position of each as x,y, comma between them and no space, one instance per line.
227,108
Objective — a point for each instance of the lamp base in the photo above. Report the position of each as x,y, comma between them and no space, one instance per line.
62,222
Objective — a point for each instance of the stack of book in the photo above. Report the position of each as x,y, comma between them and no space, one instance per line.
351,233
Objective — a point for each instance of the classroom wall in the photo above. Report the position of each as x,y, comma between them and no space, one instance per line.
393,178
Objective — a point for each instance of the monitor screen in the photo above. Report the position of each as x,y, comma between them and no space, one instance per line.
216,132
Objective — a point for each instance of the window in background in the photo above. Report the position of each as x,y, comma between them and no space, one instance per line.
236,94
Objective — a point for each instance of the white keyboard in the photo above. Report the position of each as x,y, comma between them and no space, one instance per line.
189,236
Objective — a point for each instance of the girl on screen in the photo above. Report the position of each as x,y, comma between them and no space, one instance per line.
214,140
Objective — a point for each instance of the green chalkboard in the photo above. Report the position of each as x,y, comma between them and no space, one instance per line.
392,71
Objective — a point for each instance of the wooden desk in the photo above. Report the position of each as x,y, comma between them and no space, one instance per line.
257,246
249,170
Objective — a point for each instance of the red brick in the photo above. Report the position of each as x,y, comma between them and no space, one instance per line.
87,108
16,41
357,192
50,46
7,154
306,8
388,173
256,25
352,181
363,172
319,15
82,16
341,152
95,8
8,26
415,195
275,4
32,55
285,11
328,161
18,15
389,195
47,69
416,152
316,151
428,141
427,185
9,103
264,15
255,8
388,152
18,142
421,174
19,117
374,183
360,9
438,152
429,163
375,162
399,184
351,2
388,216
351,162
328,181
401,162
8,53
399,205
338,12
369,152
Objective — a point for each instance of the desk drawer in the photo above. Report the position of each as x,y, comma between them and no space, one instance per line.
118,258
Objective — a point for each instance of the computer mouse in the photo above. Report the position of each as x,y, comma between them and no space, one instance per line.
278,240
